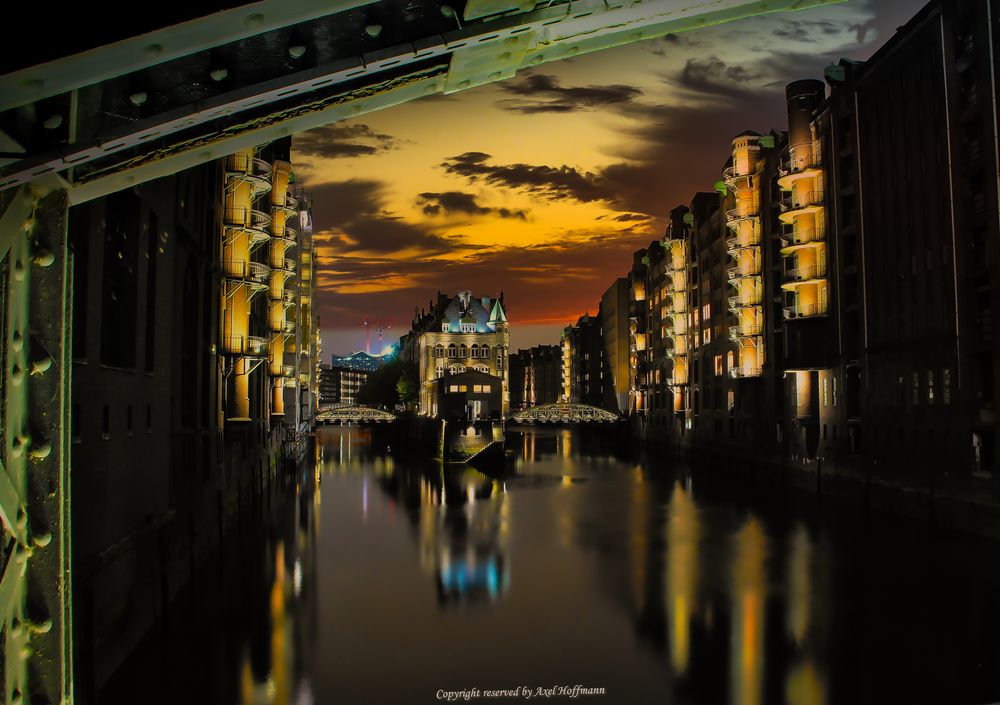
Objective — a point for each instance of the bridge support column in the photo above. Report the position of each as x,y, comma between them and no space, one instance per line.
35,587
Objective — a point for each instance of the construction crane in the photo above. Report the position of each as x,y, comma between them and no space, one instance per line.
379,327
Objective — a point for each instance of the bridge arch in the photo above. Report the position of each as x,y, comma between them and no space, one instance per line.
564,413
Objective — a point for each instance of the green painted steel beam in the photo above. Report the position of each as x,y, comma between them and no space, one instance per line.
63,75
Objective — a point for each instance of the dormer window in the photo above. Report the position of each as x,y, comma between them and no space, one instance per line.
468,327
446,327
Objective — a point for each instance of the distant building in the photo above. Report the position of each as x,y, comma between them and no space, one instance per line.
614,331
348,373
329,385
535,376
457,337
583,362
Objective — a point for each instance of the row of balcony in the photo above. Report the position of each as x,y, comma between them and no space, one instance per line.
744,372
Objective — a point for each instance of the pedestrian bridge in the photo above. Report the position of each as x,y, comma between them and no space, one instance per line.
353,413
564,413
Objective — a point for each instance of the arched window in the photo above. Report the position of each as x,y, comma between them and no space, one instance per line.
439,350
452,351
474,350
453,369
439,370
462,350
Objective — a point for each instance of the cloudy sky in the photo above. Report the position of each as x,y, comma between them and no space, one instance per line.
544,185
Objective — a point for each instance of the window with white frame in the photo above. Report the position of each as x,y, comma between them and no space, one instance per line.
468,327
452,350
439,370
446,327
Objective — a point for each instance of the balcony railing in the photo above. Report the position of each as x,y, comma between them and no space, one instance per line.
805,311
286,265
738,302
739,213
261,168
249,345
744,330
740,271
238,163
259,220
801,274
235,216
806,199
291,233
241,269
802,236
742,372
732,173
737,242
288,371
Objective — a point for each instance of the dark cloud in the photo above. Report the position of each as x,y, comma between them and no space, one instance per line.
714,77
356,208
460,202
539,93
554,183
810,31
337,141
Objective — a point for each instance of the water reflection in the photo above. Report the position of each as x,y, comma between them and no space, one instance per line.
653,583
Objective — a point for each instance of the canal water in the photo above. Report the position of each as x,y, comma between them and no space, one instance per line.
580,563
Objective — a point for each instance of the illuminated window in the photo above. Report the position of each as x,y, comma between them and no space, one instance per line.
462,350
452,350
453,388
440,372
732,399
707,335
477,388
718,364
468,327
446,327
487,388
930,386
706,312
826,392
463,388
946,386
833,393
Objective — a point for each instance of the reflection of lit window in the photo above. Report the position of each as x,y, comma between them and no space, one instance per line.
487,388
440,372
453,388
463,388
477,388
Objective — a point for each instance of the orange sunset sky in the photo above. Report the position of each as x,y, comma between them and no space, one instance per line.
544,185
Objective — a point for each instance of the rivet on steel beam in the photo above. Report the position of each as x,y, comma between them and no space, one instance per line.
254,20
22,553
373,30
40,451
29,223
26,652
219,74
138,98
17,374
20,443
296,51
52,122
41,365
21,518
42,540
44,258
19,271
43,627
17,341
152,51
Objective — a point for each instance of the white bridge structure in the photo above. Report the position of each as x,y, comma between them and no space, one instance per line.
564,413
353,414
